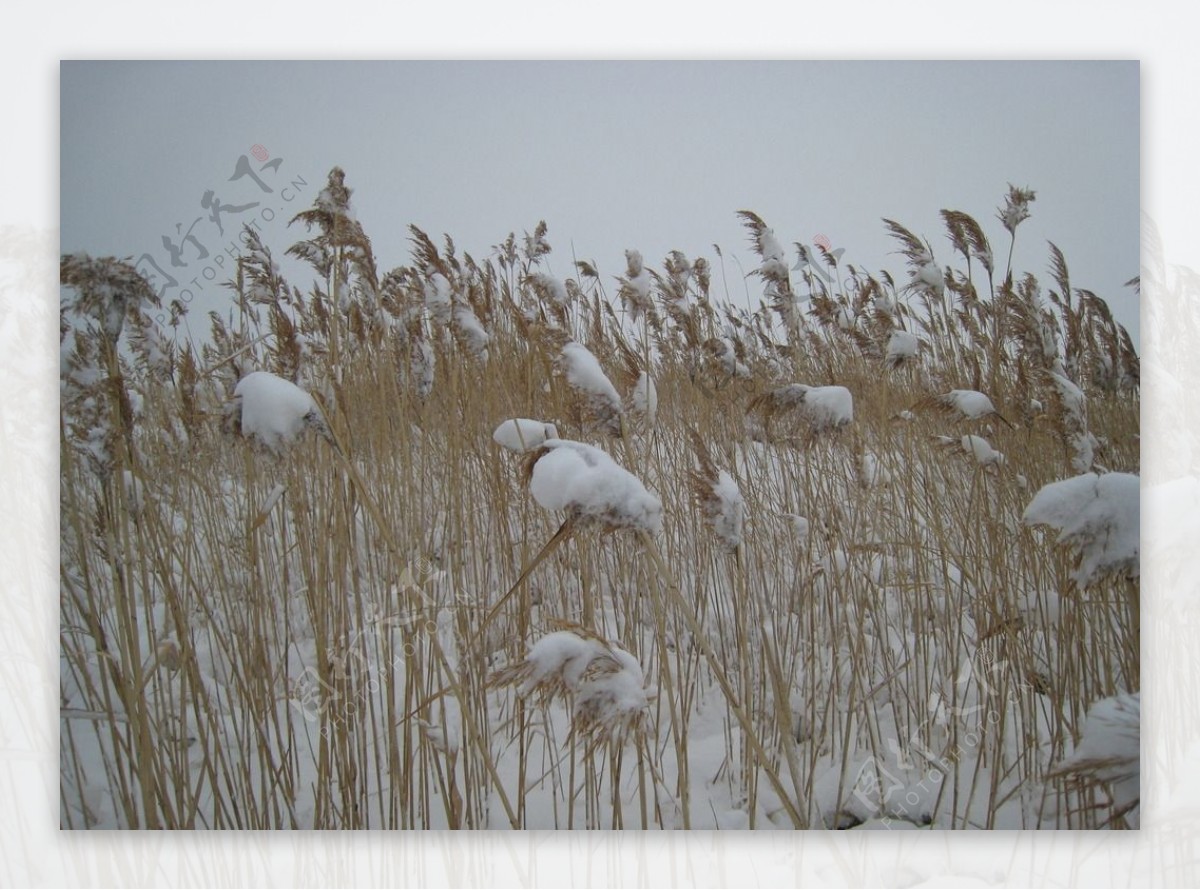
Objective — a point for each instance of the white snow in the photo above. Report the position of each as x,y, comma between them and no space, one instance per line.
644,398
723,351
971,404
552,287
522,434
587,482
983,452
584,372
639,277
606,681
827,407
872,473
1110,747
729,517
930,275
471,331
437,297
901,346
1098,517
272,498
1073,400
273,410
774,264
800,524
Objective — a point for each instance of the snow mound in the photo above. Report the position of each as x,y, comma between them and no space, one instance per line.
523,434
1097,516
275,411
590,485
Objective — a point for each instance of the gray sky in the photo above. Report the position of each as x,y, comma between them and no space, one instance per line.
645,155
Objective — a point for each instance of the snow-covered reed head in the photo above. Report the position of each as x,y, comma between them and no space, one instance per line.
591,487
963,404
818,409
1109,751
718,497
1098,517
108,290
522,434
975,448
634,290
274,411
902,349
603,682
601,401
1016,207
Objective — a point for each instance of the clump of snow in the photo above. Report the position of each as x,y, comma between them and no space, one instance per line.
635,287
902,347
584,374
774,264
800,524
470,331
930,276
969,403
828,407
275,411
819,408
980,449
1098,517
644,398
1073,400
723,351
522,434
725,508
445,736
438,298
591,486
272,498
604,680
1110,749
550,288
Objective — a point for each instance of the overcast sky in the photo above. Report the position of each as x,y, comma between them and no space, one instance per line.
613,155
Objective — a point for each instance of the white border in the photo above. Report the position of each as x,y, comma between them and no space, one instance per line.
34,852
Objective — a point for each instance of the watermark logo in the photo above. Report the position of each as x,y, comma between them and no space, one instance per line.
199,249
903,782
411,616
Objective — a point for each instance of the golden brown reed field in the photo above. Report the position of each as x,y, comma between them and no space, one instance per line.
286,613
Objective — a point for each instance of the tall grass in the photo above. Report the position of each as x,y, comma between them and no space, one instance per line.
253,641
